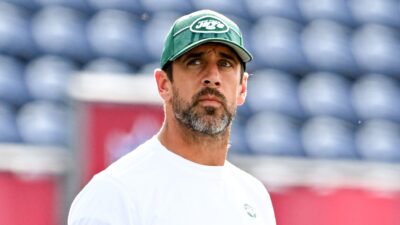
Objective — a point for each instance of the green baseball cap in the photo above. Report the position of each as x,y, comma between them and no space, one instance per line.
201,27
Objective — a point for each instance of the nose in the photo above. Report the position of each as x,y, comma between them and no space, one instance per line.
212,76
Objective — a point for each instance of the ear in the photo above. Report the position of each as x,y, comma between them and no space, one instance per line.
163,84
242,90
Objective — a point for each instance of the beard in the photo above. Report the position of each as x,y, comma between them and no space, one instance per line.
206,120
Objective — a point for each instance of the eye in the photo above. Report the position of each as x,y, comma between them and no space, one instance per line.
193,62
225,63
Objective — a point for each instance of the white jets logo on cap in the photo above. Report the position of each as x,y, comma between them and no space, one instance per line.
208,24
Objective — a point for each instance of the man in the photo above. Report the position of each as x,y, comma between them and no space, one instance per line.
181,176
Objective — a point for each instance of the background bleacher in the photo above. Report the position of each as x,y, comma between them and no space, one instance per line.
326,72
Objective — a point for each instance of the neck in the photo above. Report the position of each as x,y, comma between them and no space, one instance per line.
194,146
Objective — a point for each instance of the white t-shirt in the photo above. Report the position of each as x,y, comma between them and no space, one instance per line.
154,186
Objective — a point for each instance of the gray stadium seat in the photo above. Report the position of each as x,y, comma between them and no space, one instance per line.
155,31
277,44
13,89
379,140
326,94
108,65
336,10
376,96
328,137
274,91
238,141
61,31
326,45
134,6
273,134
15,35
117,34
376,49
27,4
279,8
43,123
232,7
8,127
178,6
148,68
385,12
75,4
47,77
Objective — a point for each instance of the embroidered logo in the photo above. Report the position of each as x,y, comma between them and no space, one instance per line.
208,24
250,210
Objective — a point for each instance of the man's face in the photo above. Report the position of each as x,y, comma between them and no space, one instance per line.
206,88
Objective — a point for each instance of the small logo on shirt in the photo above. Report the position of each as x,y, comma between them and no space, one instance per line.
250,210
208,24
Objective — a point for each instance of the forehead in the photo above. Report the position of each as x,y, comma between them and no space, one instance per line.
216,47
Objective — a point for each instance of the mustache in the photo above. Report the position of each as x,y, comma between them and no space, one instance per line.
209,91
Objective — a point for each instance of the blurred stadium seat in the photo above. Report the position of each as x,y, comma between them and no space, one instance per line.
47,77
61,31
326,94
274,134
8,127
80,5
178,6
376,96
30,5
377,49
326,45
329,61
15,35
13,89
232,7
274,91
134,6
43,123
118,34
326,84
379,140
279,8
238,142
108,65
148,68
155,30
336,10
277,44
385,12
328,137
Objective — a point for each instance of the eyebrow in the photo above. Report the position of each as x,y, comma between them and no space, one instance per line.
192,55
199,54
228,56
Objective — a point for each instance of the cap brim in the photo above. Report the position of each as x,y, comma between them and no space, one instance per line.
242,53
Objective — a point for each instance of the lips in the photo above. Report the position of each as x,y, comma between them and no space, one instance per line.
210,98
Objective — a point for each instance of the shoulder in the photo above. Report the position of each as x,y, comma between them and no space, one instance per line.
247,180
243,175
115,193
92,205
143,162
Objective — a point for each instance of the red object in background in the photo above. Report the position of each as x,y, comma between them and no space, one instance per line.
340,206
29,199
109,130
